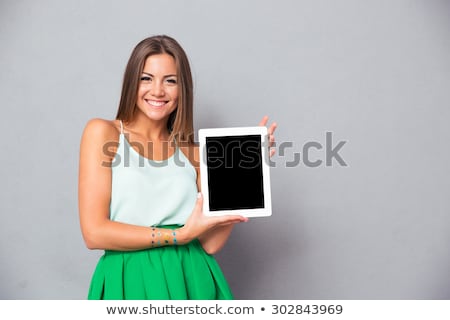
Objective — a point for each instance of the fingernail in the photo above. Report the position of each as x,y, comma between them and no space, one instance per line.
199,195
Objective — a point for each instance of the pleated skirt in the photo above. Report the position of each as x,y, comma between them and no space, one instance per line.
184,272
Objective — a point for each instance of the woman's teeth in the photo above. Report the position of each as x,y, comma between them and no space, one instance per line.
156,103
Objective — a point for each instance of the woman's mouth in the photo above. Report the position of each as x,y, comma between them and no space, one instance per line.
156,103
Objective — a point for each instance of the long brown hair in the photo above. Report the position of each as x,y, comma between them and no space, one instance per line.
180,123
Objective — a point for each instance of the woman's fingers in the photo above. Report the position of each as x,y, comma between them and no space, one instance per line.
198,207
272,152
264,120
227,220
271,140
218,220
270,131
272,128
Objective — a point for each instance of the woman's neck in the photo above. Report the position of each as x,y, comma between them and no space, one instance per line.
149,129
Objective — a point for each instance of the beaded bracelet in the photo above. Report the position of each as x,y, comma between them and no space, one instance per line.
157,238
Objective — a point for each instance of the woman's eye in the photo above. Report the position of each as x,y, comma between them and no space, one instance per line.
172,81
145,79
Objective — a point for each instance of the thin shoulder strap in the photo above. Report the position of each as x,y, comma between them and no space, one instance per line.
121,127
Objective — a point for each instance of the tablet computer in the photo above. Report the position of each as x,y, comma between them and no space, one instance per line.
235,172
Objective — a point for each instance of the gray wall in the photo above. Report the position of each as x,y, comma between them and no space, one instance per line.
376,74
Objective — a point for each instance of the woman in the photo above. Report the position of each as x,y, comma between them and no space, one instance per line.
139,186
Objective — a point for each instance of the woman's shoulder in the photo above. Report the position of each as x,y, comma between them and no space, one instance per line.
97,128
99,133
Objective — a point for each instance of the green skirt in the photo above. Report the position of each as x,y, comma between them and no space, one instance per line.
166,273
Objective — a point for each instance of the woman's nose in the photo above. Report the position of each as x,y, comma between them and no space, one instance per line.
157,89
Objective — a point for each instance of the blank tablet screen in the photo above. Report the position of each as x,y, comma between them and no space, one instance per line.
235,173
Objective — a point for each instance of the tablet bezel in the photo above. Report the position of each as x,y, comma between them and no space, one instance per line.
236,131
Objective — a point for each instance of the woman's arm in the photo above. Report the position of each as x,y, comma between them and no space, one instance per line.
94,192
94,196
214,240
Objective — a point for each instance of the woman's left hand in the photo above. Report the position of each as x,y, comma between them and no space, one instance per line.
270,131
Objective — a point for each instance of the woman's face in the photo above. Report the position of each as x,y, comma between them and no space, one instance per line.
158,88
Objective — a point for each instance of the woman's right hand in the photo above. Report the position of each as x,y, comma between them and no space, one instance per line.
197,224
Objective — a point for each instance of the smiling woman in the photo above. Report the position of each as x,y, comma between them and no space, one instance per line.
147,215
158,92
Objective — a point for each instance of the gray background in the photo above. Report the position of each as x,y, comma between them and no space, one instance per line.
374,73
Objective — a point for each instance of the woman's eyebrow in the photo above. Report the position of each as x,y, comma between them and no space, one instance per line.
166,76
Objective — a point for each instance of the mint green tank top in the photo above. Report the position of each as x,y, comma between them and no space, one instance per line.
151,193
